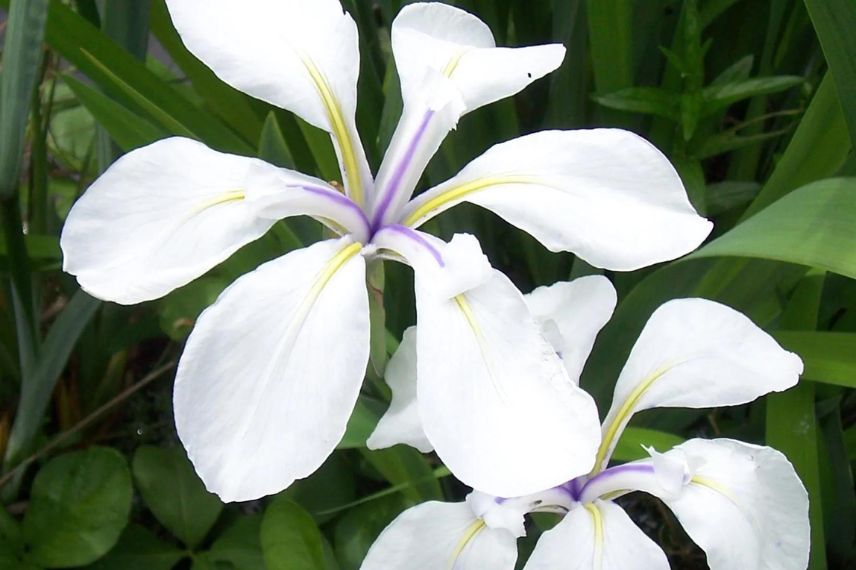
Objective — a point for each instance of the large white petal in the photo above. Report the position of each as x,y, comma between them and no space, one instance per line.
441,536
597,536
493,396
744,505
298,55
449,65
696,353
401,423
166,213
272,370
607,195
571,314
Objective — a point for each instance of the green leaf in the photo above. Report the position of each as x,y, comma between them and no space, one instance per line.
139,549
630,446
811,226
402,465
37,389
290,539
647,100
834,21
273,147
718,97
179,310
363,420
817,150
125,127
79,505
22,56
358,529
610,23
174,493
239,546
127,80
829,357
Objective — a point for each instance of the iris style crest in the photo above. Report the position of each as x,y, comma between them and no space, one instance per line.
272,370
742,504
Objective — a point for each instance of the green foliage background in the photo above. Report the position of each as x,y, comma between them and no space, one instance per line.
753,100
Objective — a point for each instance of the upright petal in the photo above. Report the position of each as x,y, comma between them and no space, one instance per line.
607,195
272,370
571,314
744,505
300,56
401,423
696,353
435,536
167,213
449,65
597,536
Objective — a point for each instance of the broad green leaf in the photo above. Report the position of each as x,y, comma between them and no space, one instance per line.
834,21
174,493
402,465
634,439
647,100
124,126
359,527
79,505
37,389
718,97
836,480
829,357
331,486
817,150
139,549
811,226
239,546
363,420
290,539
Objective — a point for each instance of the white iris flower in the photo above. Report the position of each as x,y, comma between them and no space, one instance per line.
272,370
742,504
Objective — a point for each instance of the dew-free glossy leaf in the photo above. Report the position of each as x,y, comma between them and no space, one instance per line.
79,505
139,549
290,539
174,493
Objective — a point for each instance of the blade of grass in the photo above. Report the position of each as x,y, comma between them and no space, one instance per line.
835,22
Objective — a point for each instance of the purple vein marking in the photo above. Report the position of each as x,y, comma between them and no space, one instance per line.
414,236
614,472
342,200
400,169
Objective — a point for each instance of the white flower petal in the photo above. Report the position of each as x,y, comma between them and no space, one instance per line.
571,314
744,506
607,195
696,353
494,398
440,536
449,65
597,536
272,370
300,56
165,214
401,423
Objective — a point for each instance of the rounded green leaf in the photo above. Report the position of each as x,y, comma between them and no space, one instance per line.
290,538
174,493
139,549
79,506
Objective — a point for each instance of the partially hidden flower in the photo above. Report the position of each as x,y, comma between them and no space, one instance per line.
272,370
743,504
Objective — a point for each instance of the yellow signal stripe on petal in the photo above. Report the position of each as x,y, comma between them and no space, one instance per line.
459,192
468,536
340,130
225,197
450,68
484,349
628,407
597,522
